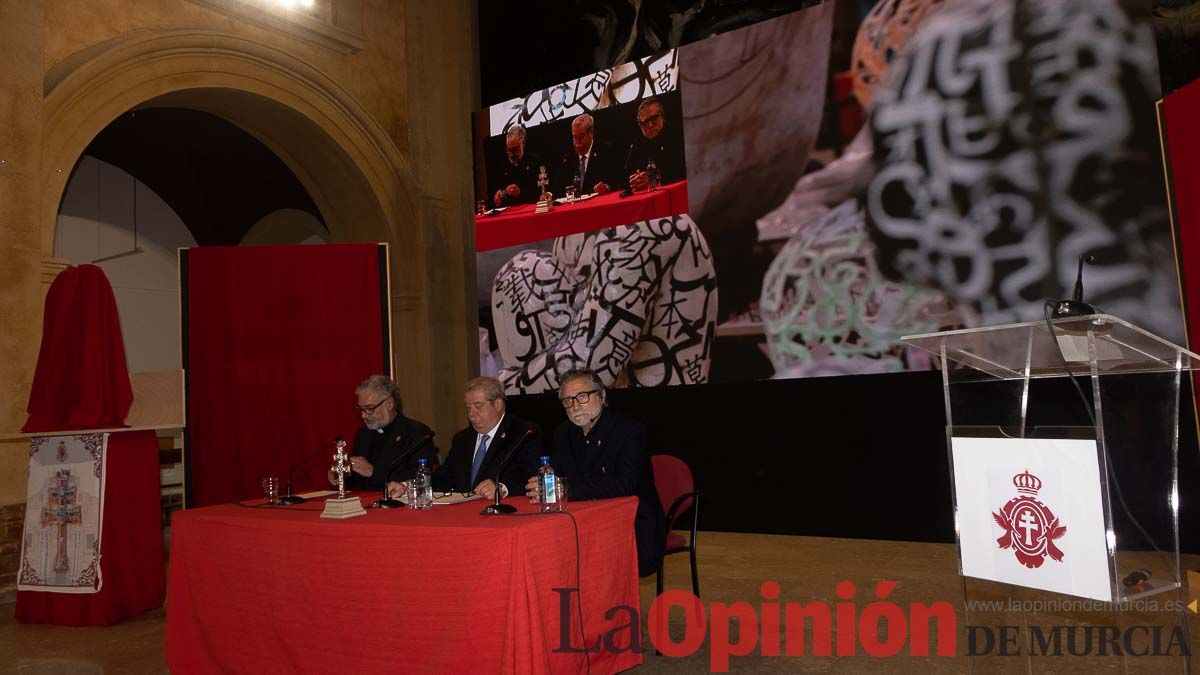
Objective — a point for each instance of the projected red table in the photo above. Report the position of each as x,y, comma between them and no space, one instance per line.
442,591
519,224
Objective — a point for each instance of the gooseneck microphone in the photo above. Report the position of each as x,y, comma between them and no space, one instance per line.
385,502
291,499
628,191
1075,307
496,508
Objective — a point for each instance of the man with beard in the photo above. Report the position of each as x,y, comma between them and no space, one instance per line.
659,143
517,182
385,436
477,451
602,453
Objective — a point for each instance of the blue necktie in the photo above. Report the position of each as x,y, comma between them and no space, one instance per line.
478,461
582,159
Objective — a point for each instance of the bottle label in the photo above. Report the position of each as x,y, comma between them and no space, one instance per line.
550,488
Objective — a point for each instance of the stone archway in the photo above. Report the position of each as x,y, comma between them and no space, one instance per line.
352,169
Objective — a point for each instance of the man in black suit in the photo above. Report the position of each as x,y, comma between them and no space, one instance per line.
477,451
660,142
516,182
590,162
385,436
602,453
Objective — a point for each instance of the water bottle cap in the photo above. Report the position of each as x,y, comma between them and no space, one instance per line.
545,459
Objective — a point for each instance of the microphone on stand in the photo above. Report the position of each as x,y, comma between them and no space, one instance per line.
385,502
496,507
291,499
628,191
1065,309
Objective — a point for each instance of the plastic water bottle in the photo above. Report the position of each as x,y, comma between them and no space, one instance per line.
653,179
420,490
547,486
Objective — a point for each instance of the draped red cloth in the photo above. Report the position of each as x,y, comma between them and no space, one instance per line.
81,383
1181,114
521,224
281,590
277,338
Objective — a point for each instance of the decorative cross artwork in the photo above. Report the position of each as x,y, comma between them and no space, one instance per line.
61,510
341,467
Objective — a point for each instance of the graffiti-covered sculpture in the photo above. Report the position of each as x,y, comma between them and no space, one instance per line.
636,303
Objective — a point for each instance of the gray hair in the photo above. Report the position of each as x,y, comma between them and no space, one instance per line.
584,120
580,374
517,131
490,386
381,384
647,102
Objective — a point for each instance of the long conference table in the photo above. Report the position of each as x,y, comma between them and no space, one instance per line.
521,224
279,589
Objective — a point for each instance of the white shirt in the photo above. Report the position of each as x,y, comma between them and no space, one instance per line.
491,437
585,158
491,434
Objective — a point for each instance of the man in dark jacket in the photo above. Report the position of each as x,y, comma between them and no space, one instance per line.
477,451
516,181
602,453
385,437
661,142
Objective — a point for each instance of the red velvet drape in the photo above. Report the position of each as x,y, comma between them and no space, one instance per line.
1181,113
277,339
81,383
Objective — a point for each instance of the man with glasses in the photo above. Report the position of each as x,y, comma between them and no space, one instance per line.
477,451
386,435
602,453
659,142
516,182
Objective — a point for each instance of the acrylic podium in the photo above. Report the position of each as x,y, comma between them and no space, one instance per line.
1063,445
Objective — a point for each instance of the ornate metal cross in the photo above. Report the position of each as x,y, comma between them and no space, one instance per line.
341,467
62,510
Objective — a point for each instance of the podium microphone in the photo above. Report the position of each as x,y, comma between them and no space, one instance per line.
291,499
385,502
1066,309
496,507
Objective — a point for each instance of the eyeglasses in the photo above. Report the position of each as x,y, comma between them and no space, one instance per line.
580,398
650,120
368,409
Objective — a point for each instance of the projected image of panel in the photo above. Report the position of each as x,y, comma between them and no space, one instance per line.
853,173
603,150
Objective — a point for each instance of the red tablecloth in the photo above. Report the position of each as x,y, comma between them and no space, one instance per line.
131,544
519,224
442,591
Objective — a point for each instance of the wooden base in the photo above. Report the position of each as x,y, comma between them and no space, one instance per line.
343,508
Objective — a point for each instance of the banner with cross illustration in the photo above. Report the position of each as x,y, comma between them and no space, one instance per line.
60,547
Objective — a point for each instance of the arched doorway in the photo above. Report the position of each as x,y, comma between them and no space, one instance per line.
350,167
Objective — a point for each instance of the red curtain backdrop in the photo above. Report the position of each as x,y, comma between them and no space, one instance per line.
1181,115
277,337
82,383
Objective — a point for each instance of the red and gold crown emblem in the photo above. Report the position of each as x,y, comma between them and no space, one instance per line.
1030,527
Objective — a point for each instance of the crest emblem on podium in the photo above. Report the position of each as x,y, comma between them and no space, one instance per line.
1030,527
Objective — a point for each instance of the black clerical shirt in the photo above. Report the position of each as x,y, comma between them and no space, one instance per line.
383,446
